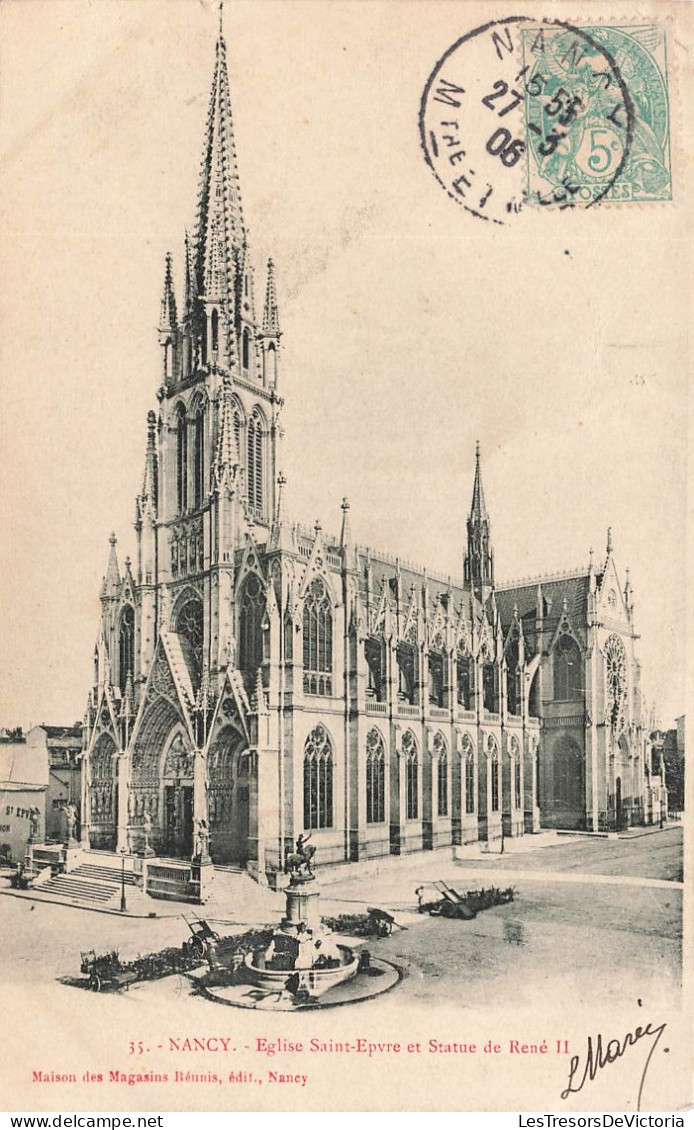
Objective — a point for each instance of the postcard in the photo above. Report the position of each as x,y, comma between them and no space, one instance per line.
345,440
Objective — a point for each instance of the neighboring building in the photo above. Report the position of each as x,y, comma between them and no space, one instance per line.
272,679
674,765
63,750
23,785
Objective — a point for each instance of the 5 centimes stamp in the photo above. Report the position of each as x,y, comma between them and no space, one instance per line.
575,119
501,124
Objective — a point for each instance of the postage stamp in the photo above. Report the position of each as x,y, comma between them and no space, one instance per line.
575,119
521,112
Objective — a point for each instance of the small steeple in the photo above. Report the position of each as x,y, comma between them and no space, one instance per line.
167,318
112,581
478,510
271,318
479,559
609,549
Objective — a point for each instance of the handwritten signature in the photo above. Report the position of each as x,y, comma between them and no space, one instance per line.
598,1055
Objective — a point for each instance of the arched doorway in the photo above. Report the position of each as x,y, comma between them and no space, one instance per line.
228,796
177,781
103,795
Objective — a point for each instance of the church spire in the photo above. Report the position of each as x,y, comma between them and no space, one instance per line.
478,511
479,559
220,232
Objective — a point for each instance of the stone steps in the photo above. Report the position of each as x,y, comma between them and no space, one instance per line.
83,889
105,874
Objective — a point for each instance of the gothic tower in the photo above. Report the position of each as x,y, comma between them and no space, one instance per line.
213,450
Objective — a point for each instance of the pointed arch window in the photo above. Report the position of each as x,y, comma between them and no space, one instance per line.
375,778
318,640
442,775
214,328
373,653
198,455
490,686
513,676
254,465
126,646
436,693
495,769
246,349
516,763
409,746
469,776
407,673
251,624
567,669
181,459
465,673
189,626
318,780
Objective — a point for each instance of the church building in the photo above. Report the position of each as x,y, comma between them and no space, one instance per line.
271,679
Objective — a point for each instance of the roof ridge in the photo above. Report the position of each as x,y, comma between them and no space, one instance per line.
524,582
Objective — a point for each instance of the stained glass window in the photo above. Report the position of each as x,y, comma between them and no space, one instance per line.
318,780
442,775
567,669
409,746
375,778
318,640
251,624
189,624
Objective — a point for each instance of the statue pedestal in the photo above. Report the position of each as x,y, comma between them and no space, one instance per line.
302,896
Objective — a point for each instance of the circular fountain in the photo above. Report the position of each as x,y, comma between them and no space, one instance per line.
298,964
302,955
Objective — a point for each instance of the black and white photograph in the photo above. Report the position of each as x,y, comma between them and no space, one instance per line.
345,431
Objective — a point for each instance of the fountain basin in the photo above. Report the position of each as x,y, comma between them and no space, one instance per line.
316,980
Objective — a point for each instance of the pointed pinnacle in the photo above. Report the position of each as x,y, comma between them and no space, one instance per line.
168,320
111,583
271,321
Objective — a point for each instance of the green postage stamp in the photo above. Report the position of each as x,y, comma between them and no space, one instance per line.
596,133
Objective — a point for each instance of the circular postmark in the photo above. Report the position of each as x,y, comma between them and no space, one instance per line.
524,112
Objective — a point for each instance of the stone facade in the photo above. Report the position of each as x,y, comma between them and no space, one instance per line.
273,679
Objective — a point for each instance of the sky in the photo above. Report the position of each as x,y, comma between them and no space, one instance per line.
410,329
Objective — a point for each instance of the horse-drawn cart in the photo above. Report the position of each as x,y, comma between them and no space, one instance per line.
106,971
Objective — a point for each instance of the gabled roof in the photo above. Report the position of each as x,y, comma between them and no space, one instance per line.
556,588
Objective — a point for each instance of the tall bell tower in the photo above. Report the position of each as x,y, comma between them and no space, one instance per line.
211,463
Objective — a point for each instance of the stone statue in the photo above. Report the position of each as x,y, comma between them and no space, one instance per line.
202,840
147,834
35,824
70,821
